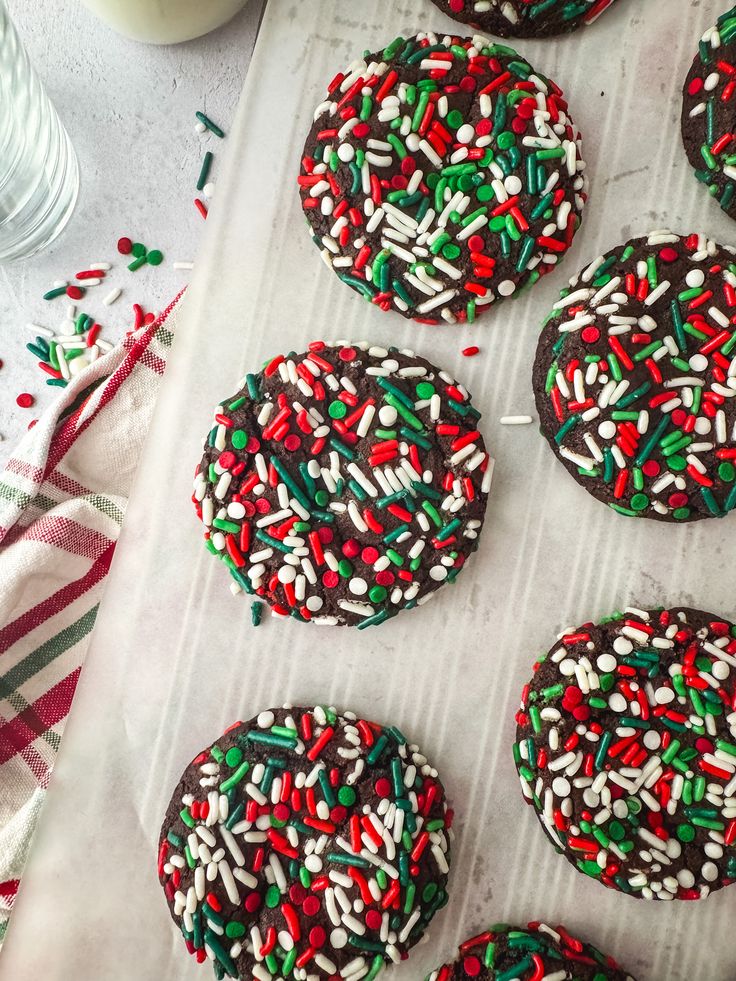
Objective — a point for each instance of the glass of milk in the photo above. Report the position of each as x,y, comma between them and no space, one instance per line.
164,21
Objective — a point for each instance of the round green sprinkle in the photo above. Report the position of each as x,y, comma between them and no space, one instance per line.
234,756
345,568
639,502
685,832
233,930
273,896
451,251
138,250
337,409
322,498
454,119
681,513
378,594
239,438
346,796
155,257
506,140
425,390
727,472
485,193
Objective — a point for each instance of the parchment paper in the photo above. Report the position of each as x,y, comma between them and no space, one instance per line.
174,658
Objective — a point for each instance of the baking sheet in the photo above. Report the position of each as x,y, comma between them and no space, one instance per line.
174,658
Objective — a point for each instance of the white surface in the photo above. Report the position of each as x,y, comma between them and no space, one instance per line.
174,658
129,109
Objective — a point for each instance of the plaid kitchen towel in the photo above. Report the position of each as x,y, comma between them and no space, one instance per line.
62,499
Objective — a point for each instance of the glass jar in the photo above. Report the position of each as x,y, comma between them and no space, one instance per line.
39,174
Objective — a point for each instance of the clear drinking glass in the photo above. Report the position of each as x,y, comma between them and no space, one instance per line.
39,174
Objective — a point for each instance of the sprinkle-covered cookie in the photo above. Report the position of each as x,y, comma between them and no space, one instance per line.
442,174
345,484
708,111
537,953
305,844
635,378
626,749
525,18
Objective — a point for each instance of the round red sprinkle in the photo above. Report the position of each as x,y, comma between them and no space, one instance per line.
385,578
281,812
125,245
382,787
408,166
678,500
471,966
373,919
252,902
369,555
476,243
311,906
573,695
350,548
25,400
262,505
74,292
668,254
253,445
325,534
330,579
297,893
250,508
317,936
361,129
226,459
590,334
679,416
292,442
399,182
348,354
651,468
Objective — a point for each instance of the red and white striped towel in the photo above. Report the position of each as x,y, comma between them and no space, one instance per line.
63,495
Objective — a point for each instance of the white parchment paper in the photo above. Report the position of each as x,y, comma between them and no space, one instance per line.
174,658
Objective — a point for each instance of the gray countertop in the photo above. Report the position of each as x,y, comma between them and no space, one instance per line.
129,109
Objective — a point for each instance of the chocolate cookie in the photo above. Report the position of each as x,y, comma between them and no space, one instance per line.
708,107
635,378
626,749
345,484
504,952
525,18
305,844
442,174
